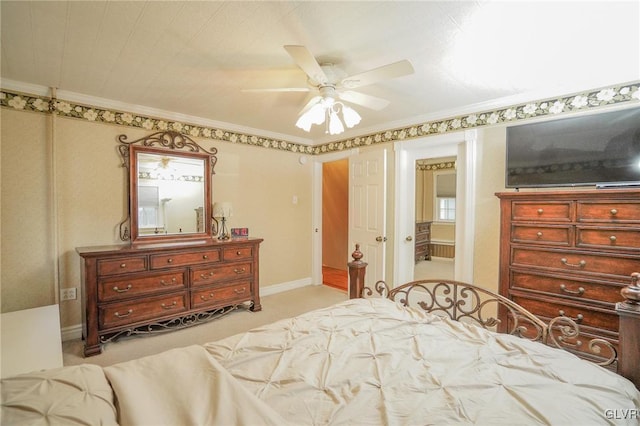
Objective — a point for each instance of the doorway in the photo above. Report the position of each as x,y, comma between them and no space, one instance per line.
335,223
462,146
435,218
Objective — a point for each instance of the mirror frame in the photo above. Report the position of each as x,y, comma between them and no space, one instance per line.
167,143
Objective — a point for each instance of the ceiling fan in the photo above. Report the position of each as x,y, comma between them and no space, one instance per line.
333,86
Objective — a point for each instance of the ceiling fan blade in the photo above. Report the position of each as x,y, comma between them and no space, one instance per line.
396,69
278,89
368,101
307,63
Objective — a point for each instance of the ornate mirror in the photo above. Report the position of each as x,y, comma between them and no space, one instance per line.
169,181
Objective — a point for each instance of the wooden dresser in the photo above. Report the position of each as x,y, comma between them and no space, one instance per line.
423,239
569,253
154,287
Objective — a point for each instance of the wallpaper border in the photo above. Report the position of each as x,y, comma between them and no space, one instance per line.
563,105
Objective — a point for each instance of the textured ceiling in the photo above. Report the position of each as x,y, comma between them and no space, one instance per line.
194,58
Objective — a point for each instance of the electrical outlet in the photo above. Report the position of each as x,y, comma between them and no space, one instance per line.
68,294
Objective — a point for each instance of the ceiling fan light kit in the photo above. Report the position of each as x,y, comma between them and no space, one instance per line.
325,110
331,85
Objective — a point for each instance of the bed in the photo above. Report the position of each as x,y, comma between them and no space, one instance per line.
370,360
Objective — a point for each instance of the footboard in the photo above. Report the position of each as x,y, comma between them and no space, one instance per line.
465,302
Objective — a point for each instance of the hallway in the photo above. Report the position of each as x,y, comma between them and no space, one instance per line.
335,278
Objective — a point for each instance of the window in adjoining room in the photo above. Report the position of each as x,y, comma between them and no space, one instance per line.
445,196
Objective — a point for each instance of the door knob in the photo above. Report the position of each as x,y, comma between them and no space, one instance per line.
381,239
409,238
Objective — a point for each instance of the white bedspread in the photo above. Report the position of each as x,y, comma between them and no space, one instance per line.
373,362
184,387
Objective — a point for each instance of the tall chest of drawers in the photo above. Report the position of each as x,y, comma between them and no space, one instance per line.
134,289
569,253
423,239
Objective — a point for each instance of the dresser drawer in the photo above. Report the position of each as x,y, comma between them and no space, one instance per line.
623,211
423,227
422,238
584,316
159,261
118,314
213,274
421,249
589,291
221,296
237,253
608,238
122,288
614,265
550,235
122,265
541,211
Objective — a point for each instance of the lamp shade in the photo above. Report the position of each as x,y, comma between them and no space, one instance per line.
351,117
222,209
335,125
325,110
314,115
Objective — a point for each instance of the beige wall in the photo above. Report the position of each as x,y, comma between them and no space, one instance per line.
27,275
490,179
260,183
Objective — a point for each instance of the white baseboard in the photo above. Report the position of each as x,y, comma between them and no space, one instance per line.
74,332
290,285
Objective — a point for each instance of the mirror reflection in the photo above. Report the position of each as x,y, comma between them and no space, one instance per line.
170,193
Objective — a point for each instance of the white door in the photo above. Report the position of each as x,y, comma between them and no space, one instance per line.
367,210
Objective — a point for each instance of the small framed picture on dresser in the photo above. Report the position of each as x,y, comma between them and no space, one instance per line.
239,232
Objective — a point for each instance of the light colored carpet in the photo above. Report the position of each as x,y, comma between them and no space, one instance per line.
434,268
274,307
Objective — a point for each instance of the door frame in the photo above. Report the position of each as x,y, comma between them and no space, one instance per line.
316,207
463,146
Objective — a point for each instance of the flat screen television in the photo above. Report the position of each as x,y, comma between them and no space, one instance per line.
598,149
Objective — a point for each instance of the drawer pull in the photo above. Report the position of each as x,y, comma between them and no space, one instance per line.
122,290
119,315
575,345
169,260
205,276
123,265
240,290
540,211
539,234
240,271
173,281
564,289
203,297
578,319
238,253
580,264
171,306
205,257
614,212
612,239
